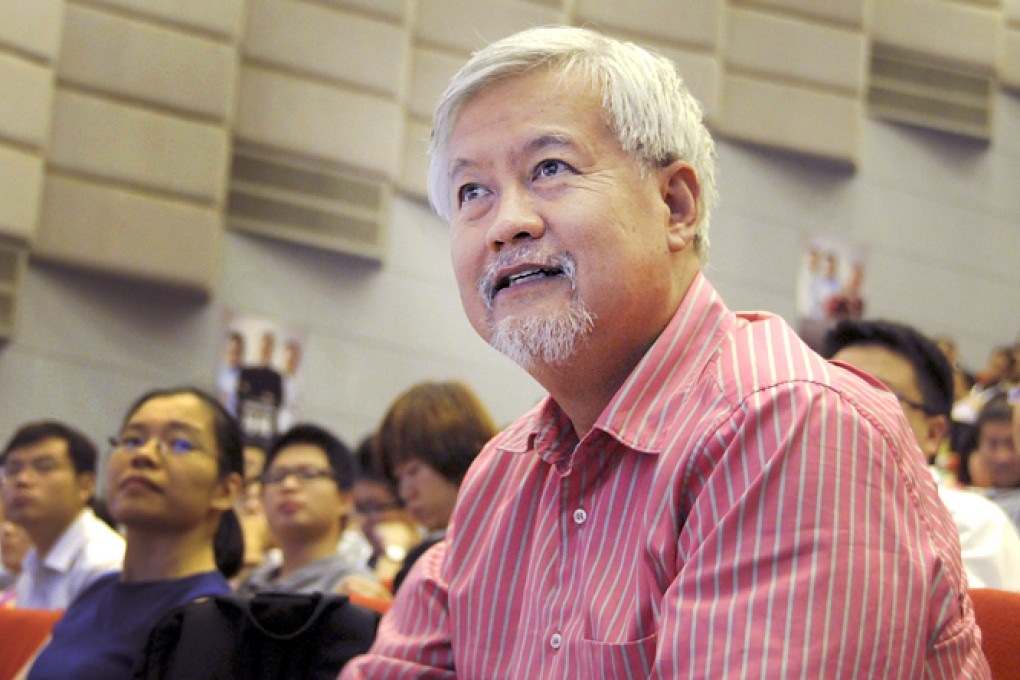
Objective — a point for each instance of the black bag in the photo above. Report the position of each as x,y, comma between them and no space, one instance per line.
272,635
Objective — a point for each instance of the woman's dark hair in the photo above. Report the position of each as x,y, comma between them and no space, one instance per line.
442,424
229,439
228,545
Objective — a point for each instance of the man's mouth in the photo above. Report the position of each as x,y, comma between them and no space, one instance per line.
526,276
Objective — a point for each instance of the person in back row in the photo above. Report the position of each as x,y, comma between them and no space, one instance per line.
700,494
918,373
426,442
48,476
174,471
306,497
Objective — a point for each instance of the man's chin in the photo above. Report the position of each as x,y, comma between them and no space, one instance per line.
533,341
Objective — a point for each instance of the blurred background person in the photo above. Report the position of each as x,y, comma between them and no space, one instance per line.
307,499
48,476
14,545
426,442
175,470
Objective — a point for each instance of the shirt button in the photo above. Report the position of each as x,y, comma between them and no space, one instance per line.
580,516
556,641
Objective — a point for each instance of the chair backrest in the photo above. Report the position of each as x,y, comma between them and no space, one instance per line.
22,633
998,615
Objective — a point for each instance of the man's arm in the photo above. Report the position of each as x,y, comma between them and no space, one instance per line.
813,548
414,636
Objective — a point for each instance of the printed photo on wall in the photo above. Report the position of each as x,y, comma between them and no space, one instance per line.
259,375
830,287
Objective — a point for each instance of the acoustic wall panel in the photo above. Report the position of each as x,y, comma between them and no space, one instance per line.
774,45
123,232
218,17
319,121
390,9
137,146
942,30
471,24
21,177
32,26
327,43
413,176
430,74
850,13
26,100
147,62
690,23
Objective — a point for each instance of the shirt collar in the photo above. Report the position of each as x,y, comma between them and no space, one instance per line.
674,361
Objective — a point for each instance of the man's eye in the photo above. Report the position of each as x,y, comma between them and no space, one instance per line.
469,192
181,445
549,168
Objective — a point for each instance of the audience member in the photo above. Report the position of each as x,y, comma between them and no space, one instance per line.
700,495
258,539
388,527
918,373
14,545
306,494
426,442
174,471
49,477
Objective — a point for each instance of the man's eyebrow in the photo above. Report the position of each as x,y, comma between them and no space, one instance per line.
172,425
532,146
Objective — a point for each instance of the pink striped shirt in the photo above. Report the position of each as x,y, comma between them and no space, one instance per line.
741,509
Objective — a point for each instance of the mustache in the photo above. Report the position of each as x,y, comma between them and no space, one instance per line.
489,280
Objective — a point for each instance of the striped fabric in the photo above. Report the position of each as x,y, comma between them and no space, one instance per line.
741,509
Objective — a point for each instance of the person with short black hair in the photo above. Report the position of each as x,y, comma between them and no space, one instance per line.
307,500
48,476
919,374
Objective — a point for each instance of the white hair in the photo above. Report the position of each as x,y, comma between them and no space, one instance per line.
644,102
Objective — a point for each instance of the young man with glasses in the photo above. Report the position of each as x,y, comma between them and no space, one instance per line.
307,499
48,473
919,374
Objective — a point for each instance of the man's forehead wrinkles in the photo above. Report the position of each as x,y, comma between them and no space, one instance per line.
533,145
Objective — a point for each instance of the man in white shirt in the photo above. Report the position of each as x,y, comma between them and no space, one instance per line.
919,374
47,475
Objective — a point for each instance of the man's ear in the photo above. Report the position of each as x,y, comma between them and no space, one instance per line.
935,431
86,486
228,490
680,191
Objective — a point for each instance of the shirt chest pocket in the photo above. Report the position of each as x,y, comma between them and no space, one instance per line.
598,660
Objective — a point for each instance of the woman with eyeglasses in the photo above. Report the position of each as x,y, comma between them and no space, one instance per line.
175,469
307,500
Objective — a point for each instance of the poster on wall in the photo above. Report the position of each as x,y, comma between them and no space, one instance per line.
259,375
830,287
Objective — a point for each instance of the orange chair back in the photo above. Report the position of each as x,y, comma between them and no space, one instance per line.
998,615
22,633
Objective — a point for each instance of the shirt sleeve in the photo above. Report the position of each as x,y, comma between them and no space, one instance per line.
811,548
414,636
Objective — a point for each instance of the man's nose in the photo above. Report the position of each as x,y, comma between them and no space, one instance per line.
517,218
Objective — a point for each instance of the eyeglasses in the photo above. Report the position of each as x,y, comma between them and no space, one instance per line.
177,445
919,405
374,508
277,475
42,466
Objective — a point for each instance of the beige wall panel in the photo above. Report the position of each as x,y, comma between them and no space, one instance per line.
26,99
414,176
1009,58
327,43
785,47
319,121
148,62
392,9
430,75
471,24
693,22
948,31
128,144
32,26
848,12
1011,11
221,17
794,118
114,230
21,181
700,72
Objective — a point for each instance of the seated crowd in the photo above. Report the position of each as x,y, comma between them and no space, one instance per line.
191,513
